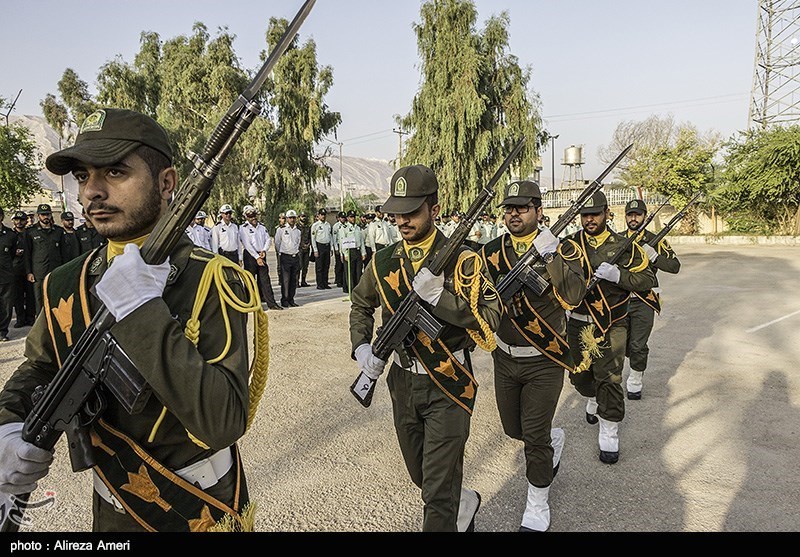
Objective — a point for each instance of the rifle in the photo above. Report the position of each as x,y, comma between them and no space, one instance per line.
522,274
655,240
624,247
411,315
75,398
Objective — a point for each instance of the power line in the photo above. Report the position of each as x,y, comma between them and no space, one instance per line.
678,104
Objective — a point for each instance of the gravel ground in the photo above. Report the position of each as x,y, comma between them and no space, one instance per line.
711,447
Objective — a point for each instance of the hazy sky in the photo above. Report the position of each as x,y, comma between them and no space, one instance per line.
595,63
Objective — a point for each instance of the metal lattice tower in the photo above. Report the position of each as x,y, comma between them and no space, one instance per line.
775,98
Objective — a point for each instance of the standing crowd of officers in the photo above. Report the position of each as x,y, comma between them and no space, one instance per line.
29,250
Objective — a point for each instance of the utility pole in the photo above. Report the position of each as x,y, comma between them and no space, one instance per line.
400,133
553,158
341,177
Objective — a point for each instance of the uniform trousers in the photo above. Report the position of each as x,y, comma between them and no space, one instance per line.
305,255
432,431
262,278
6,306
290,268
232,255
640,324
353,268
322,264
24,301
38,293
338,269
603,379
527,391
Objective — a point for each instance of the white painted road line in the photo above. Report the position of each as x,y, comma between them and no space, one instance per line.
754,329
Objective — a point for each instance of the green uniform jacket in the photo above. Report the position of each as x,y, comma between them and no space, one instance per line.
71,246
8,253
209,401
666,261
568,285
635,274
452,310
89,238
44,250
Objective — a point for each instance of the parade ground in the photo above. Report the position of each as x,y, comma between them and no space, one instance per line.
712,446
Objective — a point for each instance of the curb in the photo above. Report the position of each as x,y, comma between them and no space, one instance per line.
737,240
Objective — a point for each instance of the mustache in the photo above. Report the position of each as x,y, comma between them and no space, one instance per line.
95,206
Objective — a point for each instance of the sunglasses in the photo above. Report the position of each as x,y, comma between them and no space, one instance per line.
520,209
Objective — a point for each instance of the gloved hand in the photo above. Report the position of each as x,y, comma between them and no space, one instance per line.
545,242
651,252
21,463
368,363
428,286
608,272
130,282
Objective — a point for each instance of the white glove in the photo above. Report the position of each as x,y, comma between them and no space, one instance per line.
545,242
130,282
608,272
429,286
368,363
652,254
21,463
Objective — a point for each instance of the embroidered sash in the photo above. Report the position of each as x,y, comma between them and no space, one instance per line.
529,323
451,376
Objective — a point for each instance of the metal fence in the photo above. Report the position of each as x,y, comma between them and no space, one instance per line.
615,195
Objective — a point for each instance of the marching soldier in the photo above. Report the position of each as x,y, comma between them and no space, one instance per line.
596,330
353,250
43,250
432,384
643,306
182,446
532,351
321,240
338,269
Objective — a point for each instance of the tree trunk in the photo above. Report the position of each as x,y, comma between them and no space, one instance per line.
797,221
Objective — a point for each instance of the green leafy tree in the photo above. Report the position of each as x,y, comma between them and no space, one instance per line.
299,117
75,95
20,162
759,190
474,102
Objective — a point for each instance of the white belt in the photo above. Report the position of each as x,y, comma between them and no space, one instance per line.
581,317
517,351
204,474
418,369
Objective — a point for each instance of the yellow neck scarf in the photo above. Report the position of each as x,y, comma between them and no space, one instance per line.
116,248
597,241
523,243
419,251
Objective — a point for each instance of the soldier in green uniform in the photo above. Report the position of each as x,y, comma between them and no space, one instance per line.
88,237
43,250
70,243
532,351
189,344
596,330
8,250
24,297
431,383
644,305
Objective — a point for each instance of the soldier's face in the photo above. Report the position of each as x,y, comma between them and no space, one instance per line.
68,223
594,224
45,218
199,221
522,224
226,217
634,220
416,226
123,200
19,223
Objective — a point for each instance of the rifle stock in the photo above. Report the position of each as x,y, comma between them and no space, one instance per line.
522,274
411,315
73,399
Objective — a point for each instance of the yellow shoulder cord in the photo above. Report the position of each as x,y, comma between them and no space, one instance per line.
590,345
576,255
469,287
214,274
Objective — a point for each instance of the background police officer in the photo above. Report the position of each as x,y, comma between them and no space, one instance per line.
305,248
44,251
71,243
321,240
88,237
225,236
8,250
24,297
643,306
287,246
338,260
353,250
